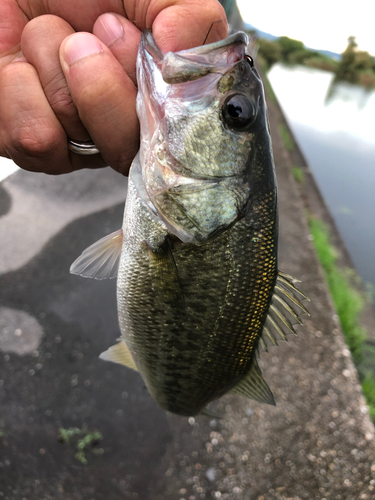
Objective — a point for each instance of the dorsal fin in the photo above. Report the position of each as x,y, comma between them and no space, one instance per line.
254,386
119,353
282,313
100,260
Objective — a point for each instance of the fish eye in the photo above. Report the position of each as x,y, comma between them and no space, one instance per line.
238,111
250,60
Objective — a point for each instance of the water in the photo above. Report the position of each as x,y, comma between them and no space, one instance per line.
334,125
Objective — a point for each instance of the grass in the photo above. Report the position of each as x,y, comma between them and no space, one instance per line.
349,302
269,90
267,86
368,387
286,137
298,174
83,440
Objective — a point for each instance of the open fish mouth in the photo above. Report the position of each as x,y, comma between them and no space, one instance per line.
191,64
159,74
156,70
174,88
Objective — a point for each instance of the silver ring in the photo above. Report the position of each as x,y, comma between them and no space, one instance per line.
83,147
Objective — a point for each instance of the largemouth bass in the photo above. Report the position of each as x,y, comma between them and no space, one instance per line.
198,285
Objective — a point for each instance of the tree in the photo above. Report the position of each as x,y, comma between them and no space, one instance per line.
289,46
270,51
347,69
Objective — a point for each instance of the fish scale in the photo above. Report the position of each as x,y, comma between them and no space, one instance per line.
198,286
226,302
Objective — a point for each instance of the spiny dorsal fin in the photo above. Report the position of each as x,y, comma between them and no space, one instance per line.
282,313
119,353
254,386
100,260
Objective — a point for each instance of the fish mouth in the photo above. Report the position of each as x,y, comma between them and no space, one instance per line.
160,74
192,64
185,76
188,78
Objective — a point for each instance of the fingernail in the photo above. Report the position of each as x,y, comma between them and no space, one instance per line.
81,45
108,29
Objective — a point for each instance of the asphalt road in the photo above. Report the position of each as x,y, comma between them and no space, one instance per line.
318,443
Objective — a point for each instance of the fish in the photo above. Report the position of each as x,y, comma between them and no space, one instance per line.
199,292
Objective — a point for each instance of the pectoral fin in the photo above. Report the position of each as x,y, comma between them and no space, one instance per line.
164,275
253,386
100,260
119,353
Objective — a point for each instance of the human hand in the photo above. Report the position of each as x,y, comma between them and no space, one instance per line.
55,83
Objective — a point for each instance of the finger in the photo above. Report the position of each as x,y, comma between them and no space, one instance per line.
182,25
30,131
122,37
177,26
12,22
104,96
41,40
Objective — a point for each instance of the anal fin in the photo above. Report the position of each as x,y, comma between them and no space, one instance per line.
254,386
119,353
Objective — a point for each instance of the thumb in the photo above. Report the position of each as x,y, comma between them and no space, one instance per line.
188,24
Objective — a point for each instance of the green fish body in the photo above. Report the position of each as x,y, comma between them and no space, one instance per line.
198,284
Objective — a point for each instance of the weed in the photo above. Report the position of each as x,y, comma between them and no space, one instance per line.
84,440
66,434
298,174
348,301
286,137
368,386
267,86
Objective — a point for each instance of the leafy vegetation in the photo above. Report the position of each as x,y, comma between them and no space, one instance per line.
83,439
291,51
355,66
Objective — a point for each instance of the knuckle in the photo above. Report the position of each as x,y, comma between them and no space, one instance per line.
59,97
63,105
35,144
